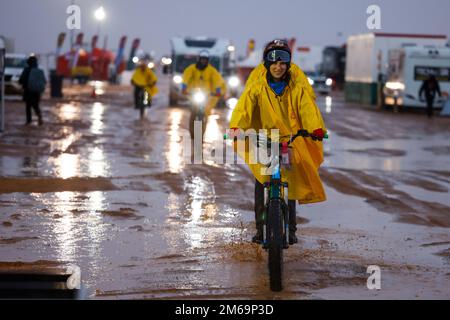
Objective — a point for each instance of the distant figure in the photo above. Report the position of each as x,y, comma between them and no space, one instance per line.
430,87
33,83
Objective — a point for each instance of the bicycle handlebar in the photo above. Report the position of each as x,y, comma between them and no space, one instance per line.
300,133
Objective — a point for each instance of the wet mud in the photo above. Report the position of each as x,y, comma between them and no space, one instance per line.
99,188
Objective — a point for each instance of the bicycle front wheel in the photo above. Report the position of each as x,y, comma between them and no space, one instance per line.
275,228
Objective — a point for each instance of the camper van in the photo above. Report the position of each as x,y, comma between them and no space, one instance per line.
409,67
185,52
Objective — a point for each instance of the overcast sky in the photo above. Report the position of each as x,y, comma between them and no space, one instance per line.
35,24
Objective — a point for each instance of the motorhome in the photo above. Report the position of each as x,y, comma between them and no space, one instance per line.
367,61
409,67
185,52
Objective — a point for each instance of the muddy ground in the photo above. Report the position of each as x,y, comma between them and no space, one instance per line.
97,187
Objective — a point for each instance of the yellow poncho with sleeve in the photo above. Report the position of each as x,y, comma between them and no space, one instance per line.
297,76
260,108
146,78
208,80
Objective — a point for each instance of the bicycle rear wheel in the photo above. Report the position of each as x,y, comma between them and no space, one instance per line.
275,228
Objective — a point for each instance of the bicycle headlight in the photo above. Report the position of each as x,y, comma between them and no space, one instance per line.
233,82
177,79
199,97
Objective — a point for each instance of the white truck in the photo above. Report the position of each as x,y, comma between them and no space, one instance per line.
14,65
409,67
367,61
185,52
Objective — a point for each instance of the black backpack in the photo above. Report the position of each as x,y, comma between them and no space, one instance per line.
36,81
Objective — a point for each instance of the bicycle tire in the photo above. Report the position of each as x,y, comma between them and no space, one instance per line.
275,228
142,110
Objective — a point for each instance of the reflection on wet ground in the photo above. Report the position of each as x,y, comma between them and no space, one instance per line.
99,188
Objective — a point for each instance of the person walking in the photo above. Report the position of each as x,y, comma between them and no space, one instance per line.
33,82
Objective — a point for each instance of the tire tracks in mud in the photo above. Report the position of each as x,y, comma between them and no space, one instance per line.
378,190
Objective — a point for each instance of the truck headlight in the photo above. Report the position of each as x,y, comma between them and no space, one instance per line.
177,79
233,82
311,81
329,82
395,86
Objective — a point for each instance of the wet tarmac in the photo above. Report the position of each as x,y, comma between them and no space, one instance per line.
99,188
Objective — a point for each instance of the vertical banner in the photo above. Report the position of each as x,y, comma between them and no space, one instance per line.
94,42
59,44
134,48
250,47
120,52
291,44
78,45
93,47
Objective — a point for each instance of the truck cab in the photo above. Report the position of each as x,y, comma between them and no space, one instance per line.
15,63
185,52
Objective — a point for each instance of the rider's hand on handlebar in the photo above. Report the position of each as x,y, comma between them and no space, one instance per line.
318,134
234,133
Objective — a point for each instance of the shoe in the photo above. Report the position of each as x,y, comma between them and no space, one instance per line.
292,239
40,122
258,238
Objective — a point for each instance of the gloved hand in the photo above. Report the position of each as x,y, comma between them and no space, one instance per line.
234,133
184,89
318,134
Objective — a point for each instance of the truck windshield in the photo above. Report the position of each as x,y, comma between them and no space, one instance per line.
184,61
15,63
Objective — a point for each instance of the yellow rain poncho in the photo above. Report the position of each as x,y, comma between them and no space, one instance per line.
296,73
208,80
146,78
260,108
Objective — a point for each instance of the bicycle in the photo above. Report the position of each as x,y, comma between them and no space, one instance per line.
276,215
198,100
144,101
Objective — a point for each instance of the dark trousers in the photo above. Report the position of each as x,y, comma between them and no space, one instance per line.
137,96
32,101
259,209
430,101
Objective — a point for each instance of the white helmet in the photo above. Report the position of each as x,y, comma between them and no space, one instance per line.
204,54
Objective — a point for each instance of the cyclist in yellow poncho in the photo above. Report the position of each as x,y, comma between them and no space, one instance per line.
202,75
143,79
278,101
